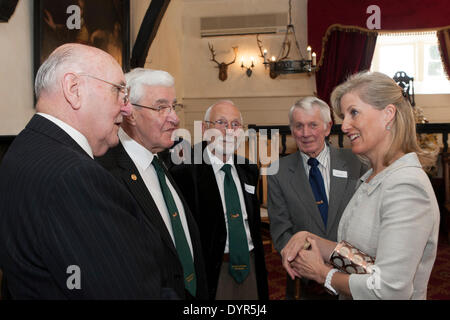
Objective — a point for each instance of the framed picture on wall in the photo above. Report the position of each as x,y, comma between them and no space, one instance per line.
104,24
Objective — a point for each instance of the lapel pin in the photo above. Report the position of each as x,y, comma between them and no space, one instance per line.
133,177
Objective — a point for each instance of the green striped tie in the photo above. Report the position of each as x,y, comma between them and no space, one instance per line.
184,253
237,244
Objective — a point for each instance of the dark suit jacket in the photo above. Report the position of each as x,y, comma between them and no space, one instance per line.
291,203
119,163
199,186
59,208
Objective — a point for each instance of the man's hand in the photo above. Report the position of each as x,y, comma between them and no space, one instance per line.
309,264
291,250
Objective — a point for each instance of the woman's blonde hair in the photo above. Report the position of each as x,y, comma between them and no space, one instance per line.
379,91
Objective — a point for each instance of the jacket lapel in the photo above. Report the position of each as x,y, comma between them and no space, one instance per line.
301,187
44,126
247,196
337,185
208,188
133,180
193,231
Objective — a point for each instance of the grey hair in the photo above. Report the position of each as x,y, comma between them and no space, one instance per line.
46,76
139,77
307,104
208,111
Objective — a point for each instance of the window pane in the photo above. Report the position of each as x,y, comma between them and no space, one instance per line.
434,52
417,54
434,69
395,58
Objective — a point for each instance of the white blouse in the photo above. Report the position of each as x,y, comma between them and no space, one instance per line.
395,218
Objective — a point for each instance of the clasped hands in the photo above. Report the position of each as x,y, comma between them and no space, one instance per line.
301,257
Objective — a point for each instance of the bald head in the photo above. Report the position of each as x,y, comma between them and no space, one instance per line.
71,57
222,127
220,106
84,87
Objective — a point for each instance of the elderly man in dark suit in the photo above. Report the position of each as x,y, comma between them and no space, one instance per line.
313,186
220,191
68,229
134,162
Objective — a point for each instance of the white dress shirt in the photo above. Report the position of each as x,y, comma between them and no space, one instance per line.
324,167
217,164
76,135
142,158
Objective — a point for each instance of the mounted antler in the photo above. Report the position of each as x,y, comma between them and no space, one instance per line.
223,67
272,73
285,48
259,42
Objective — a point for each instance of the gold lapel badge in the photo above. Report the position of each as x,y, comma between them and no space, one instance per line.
133,177
319,202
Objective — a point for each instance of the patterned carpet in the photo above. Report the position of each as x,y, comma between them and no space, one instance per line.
438,286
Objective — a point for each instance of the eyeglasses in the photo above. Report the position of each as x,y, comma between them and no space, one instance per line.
120,87
223,124
163,109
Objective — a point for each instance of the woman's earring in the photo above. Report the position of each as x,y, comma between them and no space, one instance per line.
388,127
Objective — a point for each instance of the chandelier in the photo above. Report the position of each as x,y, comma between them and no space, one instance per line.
283,64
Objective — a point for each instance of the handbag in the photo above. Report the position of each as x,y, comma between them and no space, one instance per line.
348,259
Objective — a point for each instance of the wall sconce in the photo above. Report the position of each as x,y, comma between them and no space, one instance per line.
249,70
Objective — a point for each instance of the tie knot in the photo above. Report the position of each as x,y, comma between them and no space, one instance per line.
313,162
157,164
226,168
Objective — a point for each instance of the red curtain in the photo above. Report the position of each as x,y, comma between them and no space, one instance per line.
394,15
347,50
444,48
342,51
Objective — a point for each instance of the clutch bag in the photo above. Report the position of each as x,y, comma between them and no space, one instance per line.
349,259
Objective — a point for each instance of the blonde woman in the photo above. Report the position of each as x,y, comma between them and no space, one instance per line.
393,215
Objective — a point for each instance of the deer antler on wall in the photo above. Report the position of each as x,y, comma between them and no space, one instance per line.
223,67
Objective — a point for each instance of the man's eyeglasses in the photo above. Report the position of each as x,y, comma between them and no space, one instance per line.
223,124
163,109
120,87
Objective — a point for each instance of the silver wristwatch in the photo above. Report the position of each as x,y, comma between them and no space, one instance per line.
327,283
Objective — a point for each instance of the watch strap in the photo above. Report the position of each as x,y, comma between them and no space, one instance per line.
327,283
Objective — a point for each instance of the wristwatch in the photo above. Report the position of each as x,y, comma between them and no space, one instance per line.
327,283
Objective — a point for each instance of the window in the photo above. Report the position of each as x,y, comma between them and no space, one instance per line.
417,54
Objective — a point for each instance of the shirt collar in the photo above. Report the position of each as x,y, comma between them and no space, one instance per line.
321,157
140,155
407,160
76,135
217,163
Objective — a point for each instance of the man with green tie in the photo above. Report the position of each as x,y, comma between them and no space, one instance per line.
221,192
145,132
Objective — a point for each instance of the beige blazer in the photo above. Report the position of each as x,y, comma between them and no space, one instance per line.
394,217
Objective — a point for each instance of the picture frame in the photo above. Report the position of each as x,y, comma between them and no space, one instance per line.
7,8
104,24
